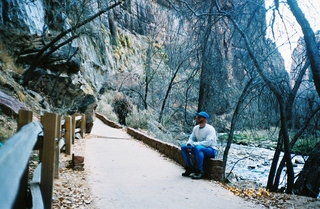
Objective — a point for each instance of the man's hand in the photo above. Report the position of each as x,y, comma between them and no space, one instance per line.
189,147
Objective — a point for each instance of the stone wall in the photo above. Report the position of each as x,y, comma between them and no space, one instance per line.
107,121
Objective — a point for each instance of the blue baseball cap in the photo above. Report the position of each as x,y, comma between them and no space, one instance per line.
203,114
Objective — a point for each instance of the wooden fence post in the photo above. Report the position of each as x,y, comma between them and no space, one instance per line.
83,125
41,147
57,156
49,122
25,117
73,127
68,134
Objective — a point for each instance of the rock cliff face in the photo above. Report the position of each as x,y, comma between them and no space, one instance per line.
299,59
103,52
112,43
98,57
24,15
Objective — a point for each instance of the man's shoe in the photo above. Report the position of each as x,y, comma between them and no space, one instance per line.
198,174
189,170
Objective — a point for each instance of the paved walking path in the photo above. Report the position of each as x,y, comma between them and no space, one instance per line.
125,173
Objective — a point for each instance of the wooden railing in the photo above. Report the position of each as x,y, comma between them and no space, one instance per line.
47,136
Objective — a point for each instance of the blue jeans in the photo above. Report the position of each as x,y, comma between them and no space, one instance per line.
200,152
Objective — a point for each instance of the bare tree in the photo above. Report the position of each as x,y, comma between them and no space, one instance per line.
234,121
285,98
180,53
167,65
280,87
310,40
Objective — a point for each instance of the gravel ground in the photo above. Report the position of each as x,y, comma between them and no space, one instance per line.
72,190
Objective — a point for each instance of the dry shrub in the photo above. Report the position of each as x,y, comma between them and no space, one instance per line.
7,61
122,107
104,106
8,127
140,119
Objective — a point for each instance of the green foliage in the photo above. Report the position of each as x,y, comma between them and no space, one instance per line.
256,139
302,146
161,134
158,46
146,120
123,40
104,30
105,108
107,97
305,145
167,120
118,53
140,119
223,137
122,43
241,137
129,44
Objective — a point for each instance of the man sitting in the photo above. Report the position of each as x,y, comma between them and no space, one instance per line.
202,144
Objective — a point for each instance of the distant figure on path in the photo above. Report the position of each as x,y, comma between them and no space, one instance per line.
202,144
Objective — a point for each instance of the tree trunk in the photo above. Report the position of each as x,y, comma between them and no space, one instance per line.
206,90
147,73
164,102
234,120
283,109
286,142
275,160
308,182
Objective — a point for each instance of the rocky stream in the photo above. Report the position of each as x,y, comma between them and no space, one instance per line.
252,164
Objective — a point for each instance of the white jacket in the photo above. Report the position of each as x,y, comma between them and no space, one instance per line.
205,136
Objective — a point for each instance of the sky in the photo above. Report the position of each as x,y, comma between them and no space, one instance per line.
311,9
